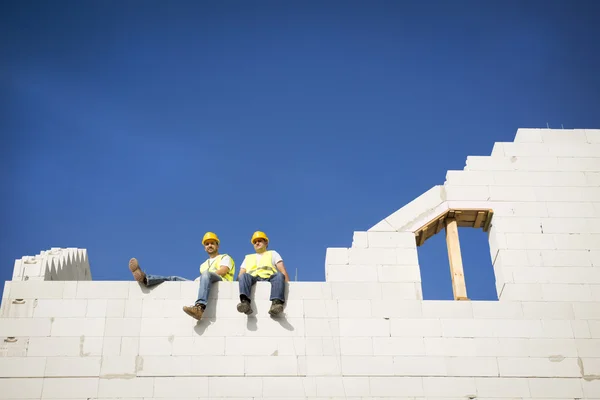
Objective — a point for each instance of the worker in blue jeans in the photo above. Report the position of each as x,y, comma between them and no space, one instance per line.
264,265
218,267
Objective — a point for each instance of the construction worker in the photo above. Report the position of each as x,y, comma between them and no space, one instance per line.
264,265
217,267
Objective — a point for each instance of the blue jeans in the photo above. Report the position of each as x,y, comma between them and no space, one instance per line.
205,282
277,285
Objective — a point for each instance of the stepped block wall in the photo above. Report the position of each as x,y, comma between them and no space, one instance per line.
56,264
364,333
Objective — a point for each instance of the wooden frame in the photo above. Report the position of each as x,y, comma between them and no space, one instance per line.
451,220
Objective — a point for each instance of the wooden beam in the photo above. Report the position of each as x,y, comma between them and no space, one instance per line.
423,236
456,266
479,219
488,221
440,224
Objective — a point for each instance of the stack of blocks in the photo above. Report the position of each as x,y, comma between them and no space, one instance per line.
364,333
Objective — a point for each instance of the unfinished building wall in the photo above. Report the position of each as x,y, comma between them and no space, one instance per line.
365,333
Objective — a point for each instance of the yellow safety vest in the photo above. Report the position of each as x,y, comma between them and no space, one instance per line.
260,264
213,266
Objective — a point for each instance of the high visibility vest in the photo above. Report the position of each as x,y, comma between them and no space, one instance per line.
213,264
260,264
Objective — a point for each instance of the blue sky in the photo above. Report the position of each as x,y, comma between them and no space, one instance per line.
131,128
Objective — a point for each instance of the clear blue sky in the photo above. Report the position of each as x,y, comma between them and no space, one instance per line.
132,127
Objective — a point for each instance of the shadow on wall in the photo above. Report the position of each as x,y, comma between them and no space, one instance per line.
477,264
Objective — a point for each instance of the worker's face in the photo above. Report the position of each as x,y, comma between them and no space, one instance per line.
211,246
260,245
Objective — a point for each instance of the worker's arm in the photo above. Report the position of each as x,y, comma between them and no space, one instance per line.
242,269
227,263
281,268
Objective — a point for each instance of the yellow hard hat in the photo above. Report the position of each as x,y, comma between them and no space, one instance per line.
210,235
259,235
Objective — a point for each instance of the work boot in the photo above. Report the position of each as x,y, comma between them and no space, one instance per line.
276,307
194,311
137,272
244,307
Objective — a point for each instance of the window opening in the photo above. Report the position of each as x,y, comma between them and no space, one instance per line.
450,221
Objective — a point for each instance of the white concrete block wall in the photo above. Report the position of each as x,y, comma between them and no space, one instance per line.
365,333
56,264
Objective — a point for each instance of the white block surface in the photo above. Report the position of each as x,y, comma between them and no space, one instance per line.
15,388
70,388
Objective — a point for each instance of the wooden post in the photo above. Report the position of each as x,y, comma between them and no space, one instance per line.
456,267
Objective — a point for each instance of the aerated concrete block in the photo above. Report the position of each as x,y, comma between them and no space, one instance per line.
579,163
72,366
545,310
367,365
15,388
221,386
566,292
471,366
411,211
321,327
124,366
588,347
449,386
78,327
398,273
467,193
529,135
391,240
360,240
291,387
22,367
552,367
175,366
405,327
336,256
555,388
586,310
502,387
396,386
512,194
469,178
195,345
574,150
522,292
180,387
419,366
25,327
351,273
538,178
121,387
36,290
497,309
320,308
357,346
70,388
447,309
350,327
322,365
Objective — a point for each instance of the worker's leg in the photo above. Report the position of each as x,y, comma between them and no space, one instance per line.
152,280
206,281
149,280
246,282
277,293
277,287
